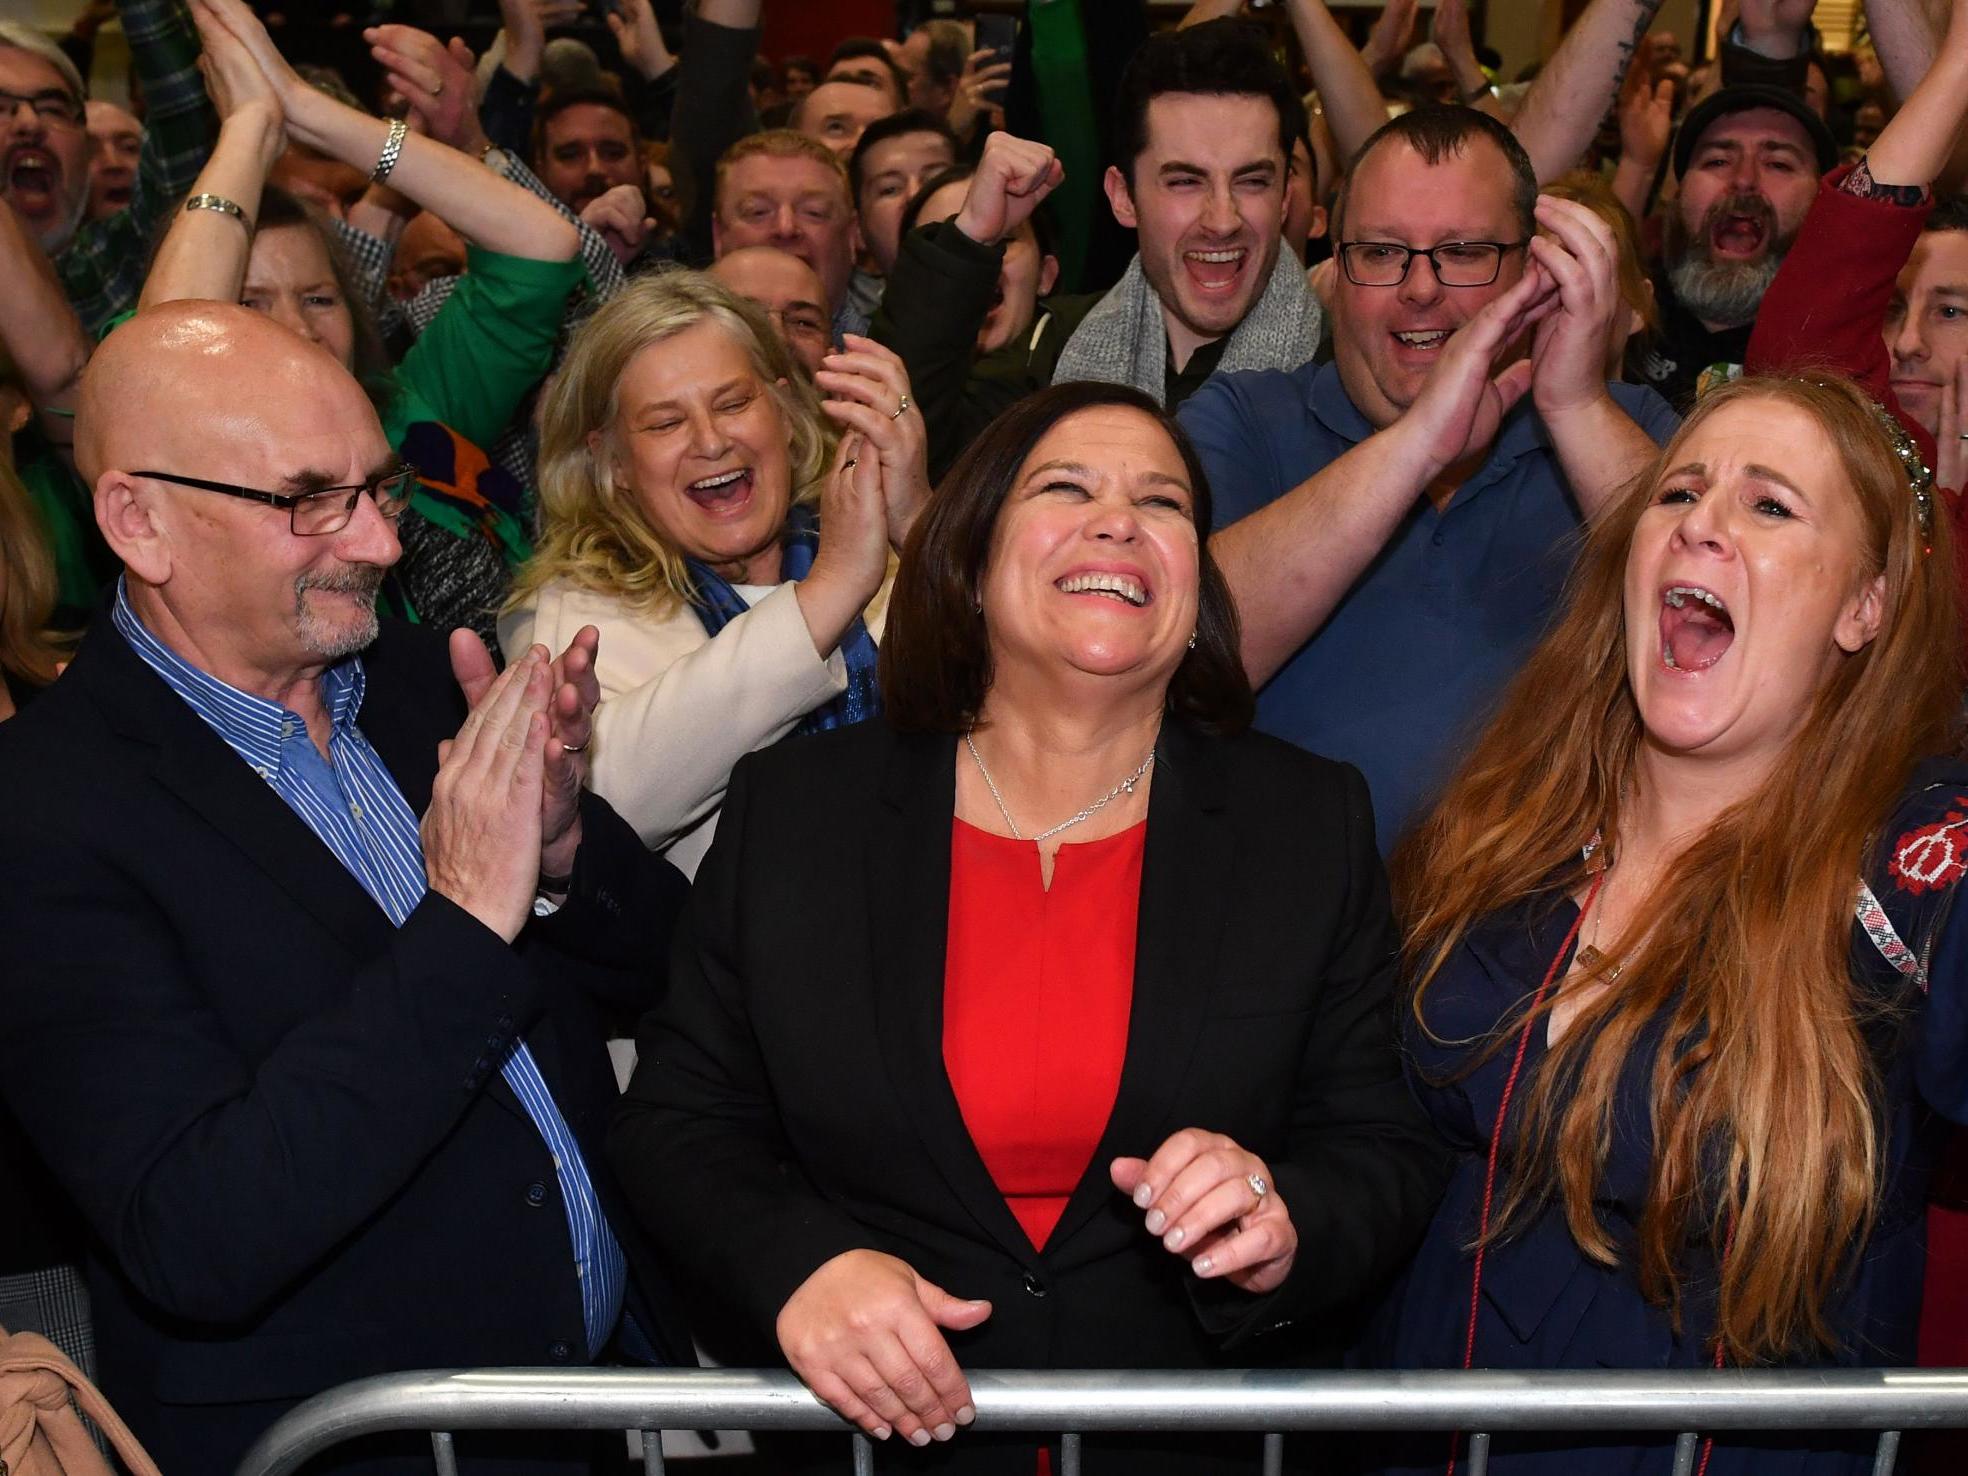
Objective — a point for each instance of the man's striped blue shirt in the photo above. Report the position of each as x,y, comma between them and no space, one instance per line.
352,803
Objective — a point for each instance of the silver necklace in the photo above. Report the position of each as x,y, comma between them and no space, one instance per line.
1126,786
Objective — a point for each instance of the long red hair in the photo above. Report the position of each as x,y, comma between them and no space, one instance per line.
1765,1131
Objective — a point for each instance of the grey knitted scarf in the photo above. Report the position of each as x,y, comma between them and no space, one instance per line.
1123,340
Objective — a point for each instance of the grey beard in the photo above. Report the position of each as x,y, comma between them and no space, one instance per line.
1725,292
325,639
56,240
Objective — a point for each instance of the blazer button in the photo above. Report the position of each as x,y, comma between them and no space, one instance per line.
1033,1286
536,1194
560,1350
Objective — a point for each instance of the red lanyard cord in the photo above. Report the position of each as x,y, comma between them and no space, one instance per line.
1490,1172
1496,1135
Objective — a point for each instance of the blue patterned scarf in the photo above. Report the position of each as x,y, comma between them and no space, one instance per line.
718,604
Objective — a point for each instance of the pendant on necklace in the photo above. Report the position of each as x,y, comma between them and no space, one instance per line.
1592,961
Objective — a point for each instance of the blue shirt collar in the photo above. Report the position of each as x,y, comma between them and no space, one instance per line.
1522,432
252,726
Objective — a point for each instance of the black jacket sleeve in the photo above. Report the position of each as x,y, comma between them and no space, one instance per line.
936,301
1366,1169
696,1144
712,111
216,1179
506,112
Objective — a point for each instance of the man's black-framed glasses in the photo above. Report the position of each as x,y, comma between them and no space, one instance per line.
1456,263
50,105
323,510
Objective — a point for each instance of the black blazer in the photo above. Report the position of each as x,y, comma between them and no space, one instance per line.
791,1103
280,1115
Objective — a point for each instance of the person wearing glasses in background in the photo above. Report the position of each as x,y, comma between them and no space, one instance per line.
305,982
45,148
1397,524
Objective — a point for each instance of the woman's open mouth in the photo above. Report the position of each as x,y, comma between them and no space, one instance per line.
723,495
1695,626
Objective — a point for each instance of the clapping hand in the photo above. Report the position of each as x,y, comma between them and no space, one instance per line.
237,86
867,391
1576,252
573,691
481,834
436,80
1213,1203
1392,34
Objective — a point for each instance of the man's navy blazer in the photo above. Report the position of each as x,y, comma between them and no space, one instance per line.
281,1116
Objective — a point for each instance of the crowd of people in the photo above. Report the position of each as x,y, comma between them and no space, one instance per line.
1165,691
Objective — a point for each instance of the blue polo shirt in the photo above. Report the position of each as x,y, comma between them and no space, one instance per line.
1410,663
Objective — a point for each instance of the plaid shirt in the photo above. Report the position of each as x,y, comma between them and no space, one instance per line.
102,267
517,448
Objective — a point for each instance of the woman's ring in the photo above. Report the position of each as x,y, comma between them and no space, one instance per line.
1258,1186
437,88
904,405
850,463
575,747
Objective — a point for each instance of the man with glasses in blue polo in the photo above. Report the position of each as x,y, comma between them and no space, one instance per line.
312,935
1397,524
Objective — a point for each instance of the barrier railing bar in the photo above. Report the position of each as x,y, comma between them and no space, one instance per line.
1274,1454
864,1456
1889,1452
652,1453
1686,1445
1069,1455
1479,1454
1091,1401
443,1454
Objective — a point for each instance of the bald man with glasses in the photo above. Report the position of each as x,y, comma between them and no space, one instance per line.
311,934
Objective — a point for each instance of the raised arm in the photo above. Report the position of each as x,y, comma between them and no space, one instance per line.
1915,145
487,211
1566,103
38,329
1449,29
205,251
1903,33
1348,95
713,110
102,269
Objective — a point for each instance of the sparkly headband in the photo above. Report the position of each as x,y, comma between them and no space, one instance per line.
1919,475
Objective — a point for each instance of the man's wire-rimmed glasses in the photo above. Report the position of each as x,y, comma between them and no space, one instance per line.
1456,263
320,511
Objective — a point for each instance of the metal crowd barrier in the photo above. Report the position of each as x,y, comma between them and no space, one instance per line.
1075,1403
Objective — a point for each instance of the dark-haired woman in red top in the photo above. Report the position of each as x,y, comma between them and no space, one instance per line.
1049,1023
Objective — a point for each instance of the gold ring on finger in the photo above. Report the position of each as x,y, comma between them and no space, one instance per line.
904,405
